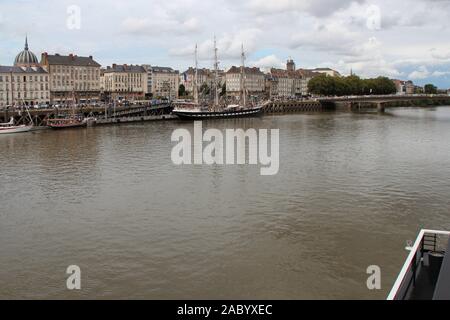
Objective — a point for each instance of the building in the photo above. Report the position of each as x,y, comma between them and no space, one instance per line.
290,83
72,78
290,65
127,82
327,71
285,83
307,75
404,87
204,77
254,81
163,82
25,83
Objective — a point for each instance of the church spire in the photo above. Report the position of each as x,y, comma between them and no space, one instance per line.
26,42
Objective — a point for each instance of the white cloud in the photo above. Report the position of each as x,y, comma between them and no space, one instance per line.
318,8
270,61
419,74
373,37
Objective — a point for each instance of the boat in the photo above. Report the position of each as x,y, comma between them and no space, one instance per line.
194,111
66,123
229,112
426,272
190,105
8,128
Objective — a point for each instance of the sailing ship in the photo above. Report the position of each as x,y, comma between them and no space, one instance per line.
68,122
194,111
10,127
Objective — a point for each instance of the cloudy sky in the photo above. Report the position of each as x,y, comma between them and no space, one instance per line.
406,39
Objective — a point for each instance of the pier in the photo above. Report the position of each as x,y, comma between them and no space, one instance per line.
103,114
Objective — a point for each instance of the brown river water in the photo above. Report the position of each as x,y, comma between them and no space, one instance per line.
351,190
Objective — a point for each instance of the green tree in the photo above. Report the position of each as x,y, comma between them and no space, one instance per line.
430,89
352,85
355,85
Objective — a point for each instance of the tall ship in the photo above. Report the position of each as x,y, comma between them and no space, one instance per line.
196,111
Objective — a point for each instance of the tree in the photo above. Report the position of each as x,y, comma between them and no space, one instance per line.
182,90
431,89
355,85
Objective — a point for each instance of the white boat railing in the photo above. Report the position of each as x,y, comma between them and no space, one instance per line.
393,295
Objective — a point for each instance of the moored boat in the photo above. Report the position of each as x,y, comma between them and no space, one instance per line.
8,128
194,111
227,113
66,123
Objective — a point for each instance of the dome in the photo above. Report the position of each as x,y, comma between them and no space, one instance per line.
26,58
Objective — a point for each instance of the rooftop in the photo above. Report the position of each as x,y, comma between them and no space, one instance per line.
248,70
125,68
71,60
16,69
163,69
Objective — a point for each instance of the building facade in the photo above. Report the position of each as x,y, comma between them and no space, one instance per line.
328,71
127,82
72,78
254,81
25,83
204,77
404,87
289,83
163,82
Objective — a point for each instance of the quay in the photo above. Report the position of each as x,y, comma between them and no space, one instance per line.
103,114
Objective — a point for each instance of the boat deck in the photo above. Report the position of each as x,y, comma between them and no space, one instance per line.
426,273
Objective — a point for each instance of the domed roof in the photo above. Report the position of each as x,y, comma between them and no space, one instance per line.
26,57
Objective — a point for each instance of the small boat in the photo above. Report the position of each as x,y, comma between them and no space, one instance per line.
66,123
8,128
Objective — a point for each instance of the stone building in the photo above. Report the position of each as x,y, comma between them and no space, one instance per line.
404,87
254,81
25,83
163,82
290,83
127,82
204,77
72,78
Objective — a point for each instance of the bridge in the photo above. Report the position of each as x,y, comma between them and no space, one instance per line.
381,102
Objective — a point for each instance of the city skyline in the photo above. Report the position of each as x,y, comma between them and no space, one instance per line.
369,37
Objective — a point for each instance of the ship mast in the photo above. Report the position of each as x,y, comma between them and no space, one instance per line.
216,75
243,90
196,76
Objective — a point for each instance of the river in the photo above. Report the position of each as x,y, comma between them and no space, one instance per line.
351,190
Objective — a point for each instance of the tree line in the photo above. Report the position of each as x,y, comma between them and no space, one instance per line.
351,85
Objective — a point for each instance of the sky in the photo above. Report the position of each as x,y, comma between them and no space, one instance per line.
401,39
